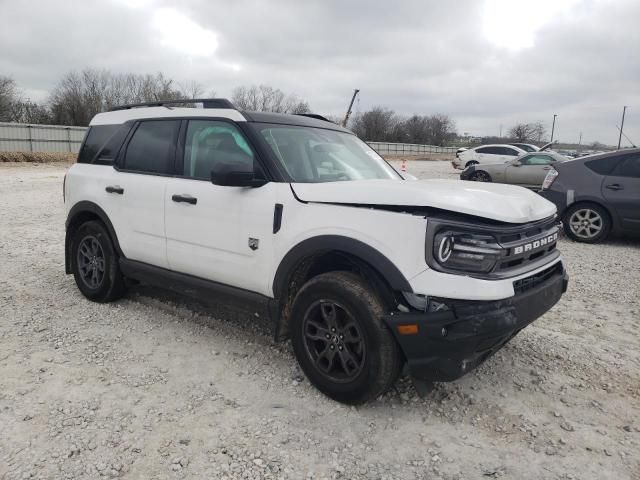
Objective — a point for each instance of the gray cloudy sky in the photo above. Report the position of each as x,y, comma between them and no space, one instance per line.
484,62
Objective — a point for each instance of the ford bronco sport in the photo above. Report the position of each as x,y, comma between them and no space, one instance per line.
294,217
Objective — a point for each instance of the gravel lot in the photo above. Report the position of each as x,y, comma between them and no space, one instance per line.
156,386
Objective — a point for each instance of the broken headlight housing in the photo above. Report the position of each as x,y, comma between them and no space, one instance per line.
466,251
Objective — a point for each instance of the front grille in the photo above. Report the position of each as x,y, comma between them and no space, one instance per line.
527,283
522,248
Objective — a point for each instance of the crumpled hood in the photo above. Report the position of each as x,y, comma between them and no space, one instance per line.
505,203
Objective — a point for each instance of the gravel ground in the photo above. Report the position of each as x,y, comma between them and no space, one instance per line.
156,386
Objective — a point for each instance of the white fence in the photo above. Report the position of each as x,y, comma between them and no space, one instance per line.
22,137
386,148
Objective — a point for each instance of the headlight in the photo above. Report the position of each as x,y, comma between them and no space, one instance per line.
465,251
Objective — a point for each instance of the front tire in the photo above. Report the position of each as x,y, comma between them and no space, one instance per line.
587,223
480,176
340,339
95,263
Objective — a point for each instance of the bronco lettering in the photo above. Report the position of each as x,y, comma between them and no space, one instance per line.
527,247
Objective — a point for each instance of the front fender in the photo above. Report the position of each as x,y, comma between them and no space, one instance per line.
326,243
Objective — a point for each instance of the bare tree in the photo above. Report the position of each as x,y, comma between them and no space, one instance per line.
381,124
415,128
192,89
521,132
14,108
26,111
79,96
8,96
378,124
441,129
263,98
528,132
539,131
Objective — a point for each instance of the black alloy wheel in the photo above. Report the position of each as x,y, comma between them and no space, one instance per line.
95,263
334,341
480,176
91,262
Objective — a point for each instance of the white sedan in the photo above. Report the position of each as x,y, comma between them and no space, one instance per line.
486,154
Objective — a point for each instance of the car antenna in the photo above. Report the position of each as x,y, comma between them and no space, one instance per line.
625,136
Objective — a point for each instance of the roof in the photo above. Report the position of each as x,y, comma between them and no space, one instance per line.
117,117
612,153
509,145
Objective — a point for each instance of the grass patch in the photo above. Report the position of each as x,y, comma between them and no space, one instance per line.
37,157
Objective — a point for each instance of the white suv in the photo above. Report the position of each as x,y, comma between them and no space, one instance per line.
296,218
486,154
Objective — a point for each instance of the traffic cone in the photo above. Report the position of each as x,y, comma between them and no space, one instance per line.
403,167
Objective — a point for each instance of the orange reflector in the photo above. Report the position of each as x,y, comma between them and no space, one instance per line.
411,329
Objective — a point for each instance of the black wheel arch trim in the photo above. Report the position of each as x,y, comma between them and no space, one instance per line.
328,243
79,208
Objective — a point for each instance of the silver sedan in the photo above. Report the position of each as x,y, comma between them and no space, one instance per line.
527,170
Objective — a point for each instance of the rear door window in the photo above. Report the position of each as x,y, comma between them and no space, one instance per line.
603,166
152,147
508,151
628,167
490,150
96,137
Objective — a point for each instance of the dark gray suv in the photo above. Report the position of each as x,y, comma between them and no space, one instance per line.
597,195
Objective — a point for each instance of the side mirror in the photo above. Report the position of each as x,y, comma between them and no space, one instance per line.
232,175
516,163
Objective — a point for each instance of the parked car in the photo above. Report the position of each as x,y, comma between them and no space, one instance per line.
527,147
486,154
529,170
597,195
299,220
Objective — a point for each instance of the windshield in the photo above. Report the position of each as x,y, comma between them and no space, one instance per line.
312,155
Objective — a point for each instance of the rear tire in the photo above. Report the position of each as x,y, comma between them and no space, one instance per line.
340,339
480,176
471,162
587,223
95,264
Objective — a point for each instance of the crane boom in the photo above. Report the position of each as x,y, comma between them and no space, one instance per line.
348,114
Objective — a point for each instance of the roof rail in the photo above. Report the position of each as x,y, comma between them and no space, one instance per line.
206,103
314,115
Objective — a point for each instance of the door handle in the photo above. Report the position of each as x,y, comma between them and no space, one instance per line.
615,186
546,168
184,199
115,189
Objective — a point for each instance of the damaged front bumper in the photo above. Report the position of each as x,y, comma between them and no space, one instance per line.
448,344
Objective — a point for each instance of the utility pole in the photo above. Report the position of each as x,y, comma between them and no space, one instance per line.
553,127
624,109
348,114
580,142
500,130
